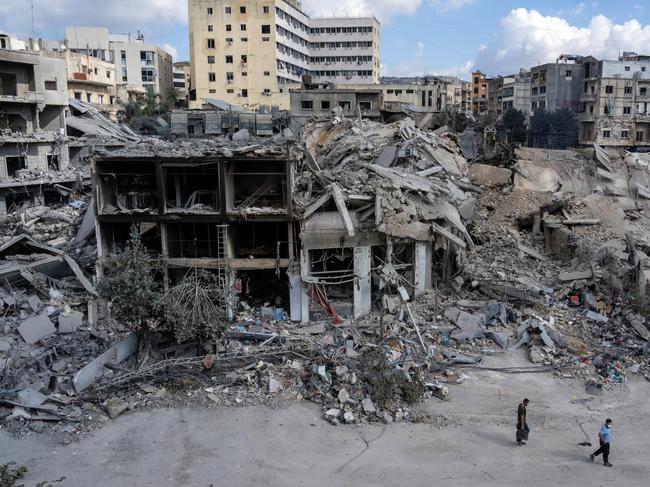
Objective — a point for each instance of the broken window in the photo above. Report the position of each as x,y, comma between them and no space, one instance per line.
345,105
639,136
194,241
230,76
307,104
127,188
77,95
53,162
192,188
365,105
210,59
254,184
627,110
609,89
8,85
15,164
325,105
625,134
628,90
50,85
259,240
643,91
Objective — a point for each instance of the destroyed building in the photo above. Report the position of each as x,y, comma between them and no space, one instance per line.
329,240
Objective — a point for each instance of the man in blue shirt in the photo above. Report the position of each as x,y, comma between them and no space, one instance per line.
605,438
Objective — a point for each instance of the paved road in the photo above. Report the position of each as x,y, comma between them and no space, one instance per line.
293,446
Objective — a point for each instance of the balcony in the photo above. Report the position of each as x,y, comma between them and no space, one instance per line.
588,97
29,97
586,117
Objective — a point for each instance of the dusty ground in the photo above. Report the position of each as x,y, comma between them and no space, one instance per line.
294,446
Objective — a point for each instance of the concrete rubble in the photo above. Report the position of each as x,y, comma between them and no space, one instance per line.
412,265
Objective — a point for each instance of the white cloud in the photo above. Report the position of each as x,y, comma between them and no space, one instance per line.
528,38
418,65
118,15
171,50
384,10
446,5
575,10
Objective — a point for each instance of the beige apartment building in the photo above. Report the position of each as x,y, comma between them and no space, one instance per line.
250,53
428,92
615,102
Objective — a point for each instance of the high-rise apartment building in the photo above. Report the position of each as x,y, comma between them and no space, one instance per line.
252,52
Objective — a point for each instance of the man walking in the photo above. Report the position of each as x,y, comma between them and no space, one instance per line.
605,439
522,425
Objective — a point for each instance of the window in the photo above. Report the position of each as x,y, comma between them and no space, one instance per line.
266,29
228,27
229,59
625,134
244,73
96,71
307,104
50,85
212,91
267,73
325,105
607,134
210,59
643,69
15,164
210,43
100,99
123,54
266,10
242,10
345,105
229,40
365,105
108,74
147,75
639,136
53,162
267,92
230,90
125,76
627,110
210,10
244,93
244,59
627,68
212,77
475,91
475,80
230,76
242,27
244,39
89,97
568,75
628,90
228,10
542,90
210,28
643,91
609,89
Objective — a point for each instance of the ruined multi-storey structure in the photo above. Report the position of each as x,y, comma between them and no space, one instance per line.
615,101
252,53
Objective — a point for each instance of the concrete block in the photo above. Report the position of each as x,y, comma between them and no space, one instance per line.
491,176
70,323
33,329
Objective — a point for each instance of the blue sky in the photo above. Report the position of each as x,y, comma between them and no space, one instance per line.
418,36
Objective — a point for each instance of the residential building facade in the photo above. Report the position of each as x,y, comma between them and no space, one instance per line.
509,92
459,94
557,85
615,101
252,52
182,81
480,93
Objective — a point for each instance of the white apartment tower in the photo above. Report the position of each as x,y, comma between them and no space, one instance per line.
250,52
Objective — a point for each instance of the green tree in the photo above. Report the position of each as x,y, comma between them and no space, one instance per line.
563,129
514,122
129,286
150,103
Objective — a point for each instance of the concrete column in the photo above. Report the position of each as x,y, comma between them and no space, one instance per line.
295,297
305,268
422,261
362,286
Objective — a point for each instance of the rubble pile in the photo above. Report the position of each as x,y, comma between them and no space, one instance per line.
549,254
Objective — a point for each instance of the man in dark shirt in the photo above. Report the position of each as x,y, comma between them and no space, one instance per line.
522,425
